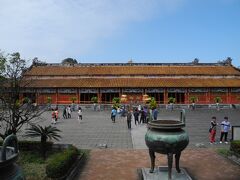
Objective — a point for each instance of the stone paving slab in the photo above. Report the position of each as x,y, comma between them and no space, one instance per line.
201,164
97,128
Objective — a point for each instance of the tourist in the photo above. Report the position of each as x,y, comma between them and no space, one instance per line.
212,130
65,112
113,114
136,116
129,119
225,127
79,113
53,117
56,115
145,113
139,108
69,112
142,116
155,114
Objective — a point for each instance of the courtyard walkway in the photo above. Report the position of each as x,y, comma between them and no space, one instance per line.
126,150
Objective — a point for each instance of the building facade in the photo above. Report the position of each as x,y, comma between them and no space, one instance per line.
80,82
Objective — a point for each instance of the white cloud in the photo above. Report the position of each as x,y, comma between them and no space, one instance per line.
55,29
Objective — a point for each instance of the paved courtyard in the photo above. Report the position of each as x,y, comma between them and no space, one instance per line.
96,128
126,150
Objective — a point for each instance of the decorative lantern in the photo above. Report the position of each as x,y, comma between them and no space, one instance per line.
123,98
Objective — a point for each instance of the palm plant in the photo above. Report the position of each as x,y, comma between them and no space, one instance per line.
47,132
193,99
171,100
94,99
218,99
73,99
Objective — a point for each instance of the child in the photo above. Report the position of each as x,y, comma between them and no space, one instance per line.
53,117
79,113
213,129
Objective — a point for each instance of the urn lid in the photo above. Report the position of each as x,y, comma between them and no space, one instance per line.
169,124
166,124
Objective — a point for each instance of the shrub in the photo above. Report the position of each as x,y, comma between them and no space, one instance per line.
235,146
59,164
31,145
153,103
116,100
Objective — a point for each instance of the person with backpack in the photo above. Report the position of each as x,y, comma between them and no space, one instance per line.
213,130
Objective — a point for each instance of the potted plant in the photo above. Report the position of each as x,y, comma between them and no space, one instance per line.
171,101
49,101
153,103
94,99
116,101
217,101
193,100
73,99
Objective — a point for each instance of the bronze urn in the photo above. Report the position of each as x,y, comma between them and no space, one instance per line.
8,156
167,137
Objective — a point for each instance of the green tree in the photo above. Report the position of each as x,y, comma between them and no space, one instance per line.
73,99
14,113
193,99
47,132
171,100
153,103
94,99
69,61
218,99
116,100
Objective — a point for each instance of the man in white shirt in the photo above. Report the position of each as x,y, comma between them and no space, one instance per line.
225,127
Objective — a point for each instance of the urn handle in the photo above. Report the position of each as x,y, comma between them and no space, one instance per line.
182,116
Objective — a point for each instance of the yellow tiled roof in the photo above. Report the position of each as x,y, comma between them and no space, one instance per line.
132,70
135,82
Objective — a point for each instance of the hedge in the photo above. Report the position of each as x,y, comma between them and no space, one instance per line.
235,146
59,164
31,145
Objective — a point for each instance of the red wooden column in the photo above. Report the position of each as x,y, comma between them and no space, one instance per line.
186,94
229,101
36,93
208,99
56,95
99,95
78,97
165,96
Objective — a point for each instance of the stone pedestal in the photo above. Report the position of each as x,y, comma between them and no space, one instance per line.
161,173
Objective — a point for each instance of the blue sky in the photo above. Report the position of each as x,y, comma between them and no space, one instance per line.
119,30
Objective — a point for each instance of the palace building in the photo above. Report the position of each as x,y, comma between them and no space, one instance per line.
63,83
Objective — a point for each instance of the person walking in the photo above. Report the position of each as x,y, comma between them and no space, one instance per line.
129,119
225,127
142,116
136,116
113,114
213,130
53,117
155,114
65,112
56,115
79,113
69,112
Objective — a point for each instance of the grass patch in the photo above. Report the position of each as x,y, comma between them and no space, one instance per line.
33,165
224,152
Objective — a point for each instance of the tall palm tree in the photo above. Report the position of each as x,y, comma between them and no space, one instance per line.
47,132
